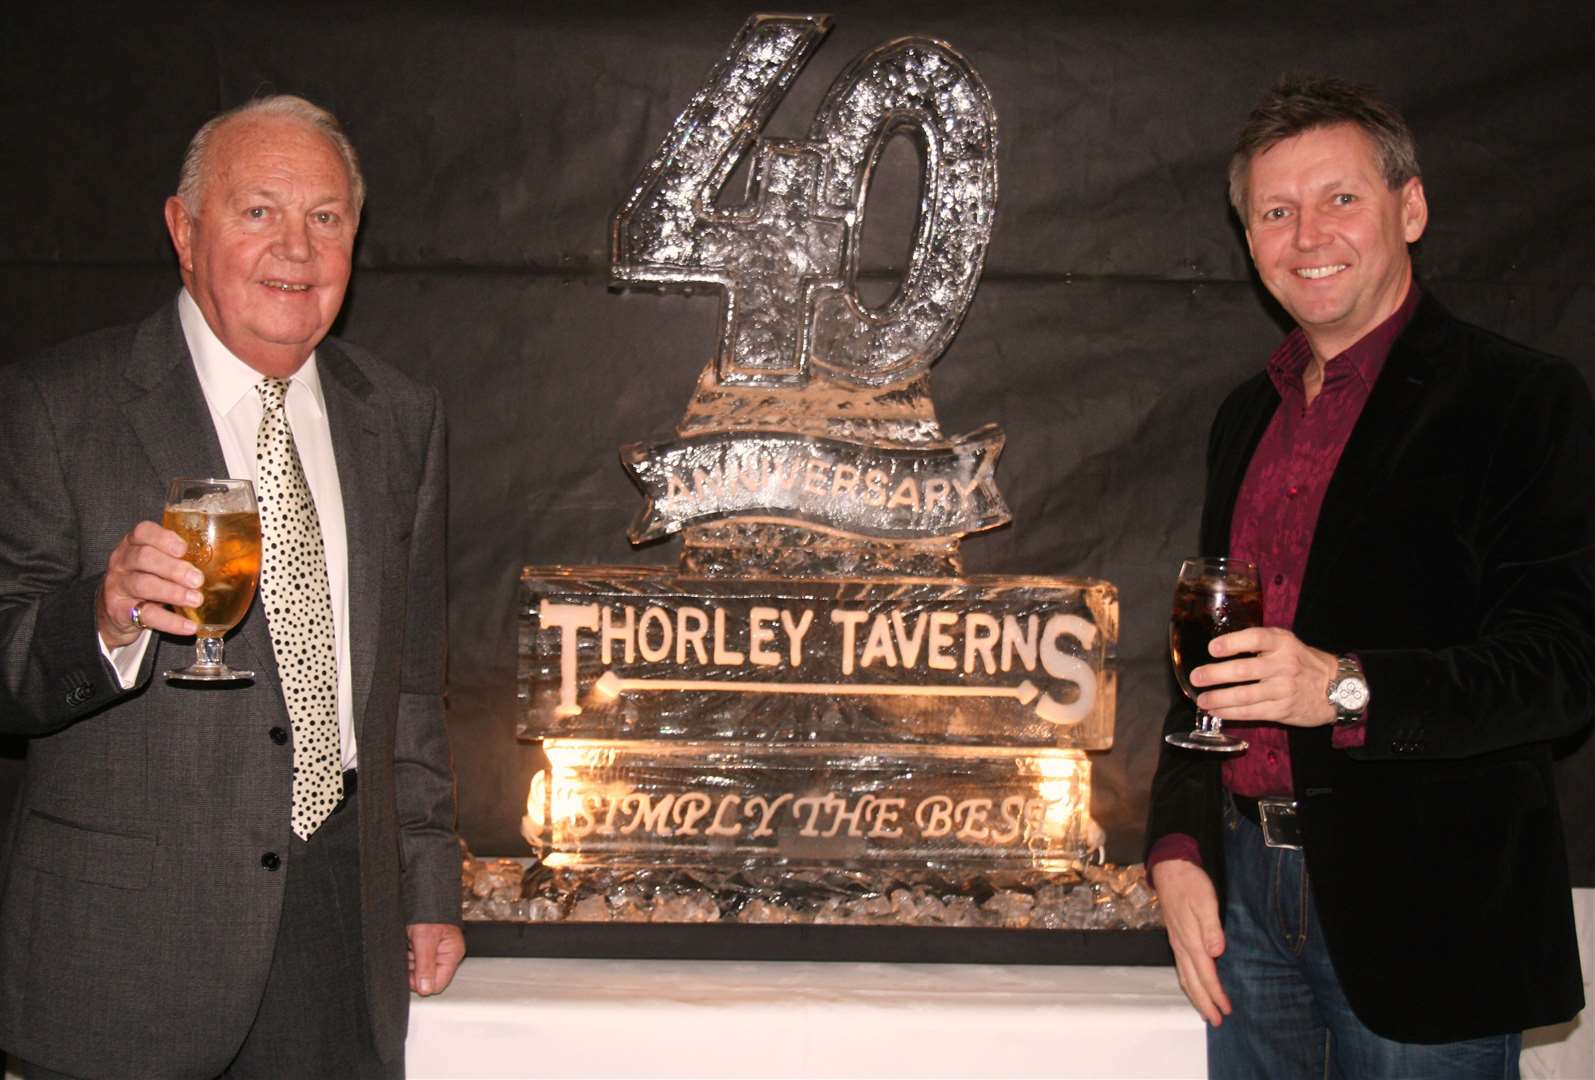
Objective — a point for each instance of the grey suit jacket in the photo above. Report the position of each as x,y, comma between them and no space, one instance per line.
137,917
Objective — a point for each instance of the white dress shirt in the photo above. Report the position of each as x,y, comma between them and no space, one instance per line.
230,388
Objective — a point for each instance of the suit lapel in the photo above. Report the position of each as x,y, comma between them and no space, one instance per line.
357,443
166,409
1377,441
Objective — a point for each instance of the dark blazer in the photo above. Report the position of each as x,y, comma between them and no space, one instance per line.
136,915
1455,554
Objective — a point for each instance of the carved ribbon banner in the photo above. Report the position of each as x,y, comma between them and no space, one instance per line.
854,488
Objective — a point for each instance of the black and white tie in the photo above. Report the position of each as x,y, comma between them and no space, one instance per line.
293,586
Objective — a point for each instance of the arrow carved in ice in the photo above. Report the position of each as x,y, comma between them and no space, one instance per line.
610,685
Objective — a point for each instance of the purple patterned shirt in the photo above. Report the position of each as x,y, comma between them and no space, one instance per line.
1276,512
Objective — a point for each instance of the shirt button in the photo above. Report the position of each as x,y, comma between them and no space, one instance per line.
278,735
1292,491
1279,579
270,860
1273,758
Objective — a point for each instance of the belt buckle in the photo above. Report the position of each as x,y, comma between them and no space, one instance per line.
1281,826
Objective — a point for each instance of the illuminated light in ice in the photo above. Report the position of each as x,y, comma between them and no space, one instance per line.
537,799
1066,792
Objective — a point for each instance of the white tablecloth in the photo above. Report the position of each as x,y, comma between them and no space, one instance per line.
678,1018
1567,1051
675,1018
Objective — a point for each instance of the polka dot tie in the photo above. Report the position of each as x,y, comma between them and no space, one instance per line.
293,586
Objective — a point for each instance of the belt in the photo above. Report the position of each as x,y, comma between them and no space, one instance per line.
1278,818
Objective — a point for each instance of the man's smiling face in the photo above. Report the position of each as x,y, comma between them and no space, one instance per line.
267,253
1328,235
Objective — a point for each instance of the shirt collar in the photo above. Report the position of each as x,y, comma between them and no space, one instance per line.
1362,361
223,377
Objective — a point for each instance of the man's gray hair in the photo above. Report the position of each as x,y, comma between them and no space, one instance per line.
191,179
1298,103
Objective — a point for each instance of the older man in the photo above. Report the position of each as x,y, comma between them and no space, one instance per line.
227,878
1387,854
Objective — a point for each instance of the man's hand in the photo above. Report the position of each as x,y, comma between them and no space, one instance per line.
1285,682
147,567
436,950
1190,914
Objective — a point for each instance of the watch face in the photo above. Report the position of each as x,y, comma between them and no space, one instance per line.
1351,694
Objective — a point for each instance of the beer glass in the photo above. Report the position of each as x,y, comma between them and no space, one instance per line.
1211,597
220,523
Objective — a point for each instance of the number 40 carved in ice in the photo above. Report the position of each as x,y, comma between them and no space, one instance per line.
786,261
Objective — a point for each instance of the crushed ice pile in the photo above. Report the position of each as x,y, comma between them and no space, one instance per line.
1100,898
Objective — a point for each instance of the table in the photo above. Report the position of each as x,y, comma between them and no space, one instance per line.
514,1017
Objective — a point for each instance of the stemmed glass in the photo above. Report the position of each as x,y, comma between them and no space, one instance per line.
1212,596
220,523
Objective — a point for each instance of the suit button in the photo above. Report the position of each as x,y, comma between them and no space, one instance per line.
270,860
78,695
278,735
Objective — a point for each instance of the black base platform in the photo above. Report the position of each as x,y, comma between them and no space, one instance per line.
875,944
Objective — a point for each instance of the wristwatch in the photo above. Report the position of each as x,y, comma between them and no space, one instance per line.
1348,690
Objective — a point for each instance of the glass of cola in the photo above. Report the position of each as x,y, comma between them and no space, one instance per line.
1212,596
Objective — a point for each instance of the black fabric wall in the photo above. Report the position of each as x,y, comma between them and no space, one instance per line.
1116,309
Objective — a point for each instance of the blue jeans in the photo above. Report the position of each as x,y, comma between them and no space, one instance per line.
1291,1019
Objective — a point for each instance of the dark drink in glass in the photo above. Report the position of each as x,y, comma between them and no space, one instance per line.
1212,596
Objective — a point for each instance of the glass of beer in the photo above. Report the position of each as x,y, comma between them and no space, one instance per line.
220,523
1211,597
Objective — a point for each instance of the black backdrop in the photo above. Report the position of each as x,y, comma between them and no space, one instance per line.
1117,304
